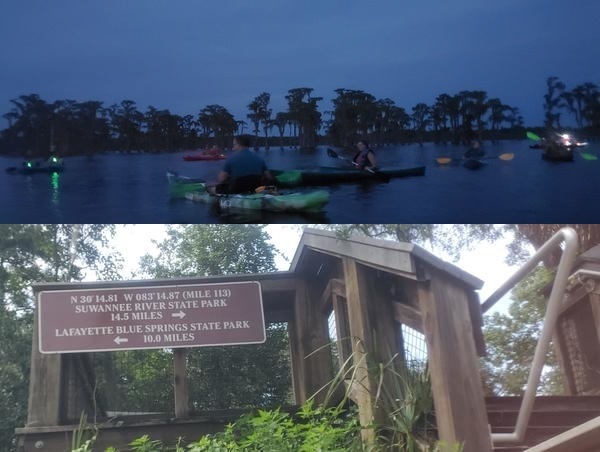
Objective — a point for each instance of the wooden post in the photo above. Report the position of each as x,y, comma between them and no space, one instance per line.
456,384
44,385
312,369
180,383
370,324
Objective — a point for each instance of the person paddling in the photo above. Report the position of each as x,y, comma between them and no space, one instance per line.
365,157
475,151
244,172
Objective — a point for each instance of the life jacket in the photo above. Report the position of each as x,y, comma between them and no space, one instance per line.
361,158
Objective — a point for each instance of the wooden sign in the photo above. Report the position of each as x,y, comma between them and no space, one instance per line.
199,315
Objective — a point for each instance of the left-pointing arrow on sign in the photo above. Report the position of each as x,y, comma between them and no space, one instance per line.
119,340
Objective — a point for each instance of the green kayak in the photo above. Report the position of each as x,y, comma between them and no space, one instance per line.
194,189
328,176
53,165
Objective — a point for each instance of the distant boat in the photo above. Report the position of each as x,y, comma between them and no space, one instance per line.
200,157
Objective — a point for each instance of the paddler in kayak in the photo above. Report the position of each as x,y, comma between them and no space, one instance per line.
243,172
29,161
365,157
214,151
475,151
53,159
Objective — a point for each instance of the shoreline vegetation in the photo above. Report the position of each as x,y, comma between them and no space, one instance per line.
70,128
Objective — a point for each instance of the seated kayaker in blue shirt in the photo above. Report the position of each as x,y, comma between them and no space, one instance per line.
244,172
475,151
365,157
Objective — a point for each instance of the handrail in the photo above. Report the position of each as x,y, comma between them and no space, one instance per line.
569,252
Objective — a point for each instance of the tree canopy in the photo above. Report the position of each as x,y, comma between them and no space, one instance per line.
36,125
229,376
36,253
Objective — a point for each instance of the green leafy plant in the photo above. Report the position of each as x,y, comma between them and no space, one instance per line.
78,441
311,429
402,391
145,444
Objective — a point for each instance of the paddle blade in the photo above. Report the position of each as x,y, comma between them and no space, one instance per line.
332,153
586,156
507,156
443,160
289,178
533,136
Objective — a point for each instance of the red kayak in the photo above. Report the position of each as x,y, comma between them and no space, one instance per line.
194,157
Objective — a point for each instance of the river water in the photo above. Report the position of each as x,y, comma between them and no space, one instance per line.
132,188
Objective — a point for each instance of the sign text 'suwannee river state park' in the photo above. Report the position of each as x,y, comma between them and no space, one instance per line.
196,315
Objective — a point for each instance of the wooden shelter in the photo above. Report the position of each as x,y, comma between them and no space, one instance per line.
372,286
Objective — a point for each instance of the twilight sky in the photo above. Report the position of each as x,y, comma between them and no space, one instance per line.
183,55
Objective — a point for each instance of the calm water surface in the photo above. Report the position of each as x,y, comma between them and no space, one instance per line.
132,188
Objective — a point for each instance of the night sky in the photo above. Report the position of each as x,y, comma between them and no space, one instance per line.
183,55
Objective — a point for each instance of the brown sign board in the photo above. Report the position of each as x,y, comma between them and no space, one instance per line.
195,315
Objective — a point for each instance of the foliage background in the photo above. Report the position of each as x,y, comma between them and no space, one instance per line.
36,253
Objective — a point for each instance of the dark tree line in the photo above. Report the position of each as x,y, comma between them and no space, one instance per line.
75,128
583,102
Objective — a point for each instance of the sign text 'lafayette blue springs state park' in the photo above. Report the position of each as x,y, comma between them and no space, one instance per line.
106,319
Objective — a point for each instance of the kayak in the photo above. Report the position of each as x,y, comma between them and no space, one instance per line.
31,167
327,175
557,157
473,163
313,201
196,157
183,184
557,153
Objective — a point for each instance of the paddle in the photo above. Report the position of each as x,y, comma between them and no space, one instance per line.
584,155
333,154
507,156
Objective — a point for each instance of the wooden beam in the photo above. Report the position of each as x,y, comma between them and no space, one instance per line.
335,287
44,407
476,315
364,387
312,356
456,383
408,316
180,383
342,326
296,362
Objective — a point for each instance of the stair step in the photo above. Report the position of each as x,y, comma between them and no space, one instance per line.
510,448
551,416
545,403
534,434
542,418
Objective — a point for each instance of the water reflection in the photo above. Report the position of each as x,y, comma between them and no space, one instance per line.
120,188
54,182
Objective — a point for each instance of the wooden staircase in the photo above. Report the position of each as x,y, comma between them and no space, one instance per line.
551,416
